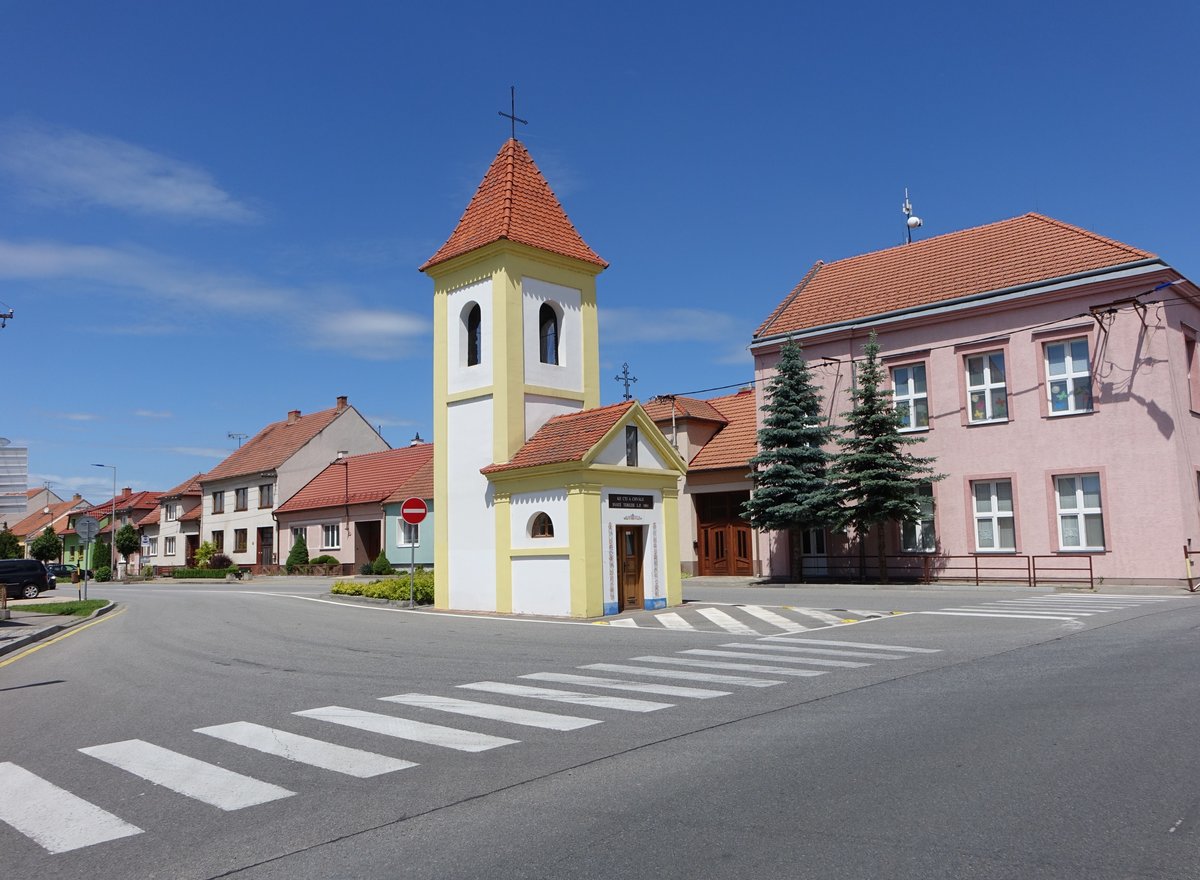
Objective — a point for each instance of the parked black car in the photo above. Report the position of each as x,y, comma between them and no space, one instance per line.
66,569
25,578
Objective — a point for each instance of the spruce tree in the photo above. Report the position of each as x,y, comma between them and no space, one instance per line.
792,489
298,555
878,480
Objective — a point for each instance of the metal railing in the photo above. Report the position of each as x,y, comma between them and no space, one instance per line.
983,568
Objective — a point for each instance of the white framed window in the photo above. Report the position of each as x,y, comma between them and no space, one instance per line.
1080,519
1068,377
995,528
331,537
150,548
169,546
299,532
919,536
912,397
987,390
408,534
172,512
240,498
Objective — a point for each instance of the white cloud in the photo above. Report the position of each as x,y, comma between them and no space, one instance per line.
389,421
152,413
99,483
668,325
200,451
62,166
75,417
373,334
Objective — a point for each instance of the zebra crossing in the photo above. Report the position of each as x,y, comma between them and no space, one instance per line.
26,798
743,620
1058,606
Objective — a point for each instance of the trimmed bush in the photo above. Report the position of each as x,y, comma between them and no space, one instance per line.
394,588
325,559
211,573
104,573
382,565
220,561
298,555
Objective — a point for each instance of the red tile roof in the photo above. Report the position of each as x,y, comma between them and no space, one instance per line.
190,486
150,519
419,485
565,438
660,409
273,445
192,515
737,442
357,479
37,522
514,202
1010,253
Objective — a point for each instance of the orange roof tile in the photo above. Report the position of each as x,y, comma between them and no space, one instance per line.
737,442
419,485
273,445
515,202
1010,253
190,486
150,519
565,438
192,515
660,409
37,522
357,479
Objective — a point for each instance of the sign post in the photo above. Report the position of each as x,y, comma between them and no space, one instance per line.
87,528
413,512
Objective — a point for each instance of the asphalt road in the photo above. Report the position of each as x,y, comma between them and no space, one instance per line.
997,747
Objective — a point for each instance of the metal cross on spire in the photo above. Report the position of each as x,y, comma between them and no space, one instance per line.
627,379
512,113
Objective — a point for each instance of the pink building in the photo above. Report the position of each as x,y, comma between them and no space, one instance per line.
1052,372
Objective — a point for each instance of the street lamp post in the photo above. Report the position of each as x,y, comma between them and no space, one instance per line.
112,544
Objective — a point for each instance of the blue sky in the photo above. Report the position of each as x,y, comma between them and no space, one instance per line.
212,213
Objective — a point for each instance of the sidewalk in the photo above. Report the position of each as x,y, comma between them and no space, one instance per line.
25,627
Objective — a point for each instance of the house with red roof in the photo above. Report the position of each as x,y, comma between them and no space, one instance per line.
348,503
241,494
128,508
544,501
1053,374
171,531
53,514
717,437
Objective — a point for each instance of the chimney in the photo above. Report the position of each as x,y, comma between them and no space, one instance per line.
76,497
126,492
341,402
293,414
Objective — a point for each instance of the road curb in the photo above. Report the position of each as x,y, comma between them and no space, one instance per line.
18,644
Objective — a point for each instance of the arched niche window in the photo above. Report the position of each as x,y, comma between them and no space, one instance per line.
548,334
541,526
473,324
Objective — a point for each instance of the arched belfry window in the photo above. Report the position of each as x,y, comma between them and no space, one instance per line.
471,319
541,526
548,334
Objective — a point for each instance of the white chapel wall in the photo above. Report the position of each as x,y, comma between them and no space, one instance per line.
567,374
472,533
542,585
460,377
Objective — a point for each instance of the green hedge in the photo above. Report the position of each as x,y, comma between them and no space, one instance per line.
203,572
395,588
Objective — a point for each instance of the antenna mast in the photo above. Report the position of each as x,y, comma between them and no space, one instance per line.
911,221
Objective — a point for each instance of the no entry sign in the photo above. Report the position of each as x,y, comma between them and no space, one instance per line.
413,511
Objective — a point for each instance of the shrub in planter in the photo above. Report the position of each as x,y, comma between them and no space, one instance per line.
382,565
298,555
394,588
220,560
324,560
104,573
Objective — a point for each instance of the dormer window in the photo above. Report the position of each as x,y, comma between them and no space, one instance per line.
548,334
631,445
473,321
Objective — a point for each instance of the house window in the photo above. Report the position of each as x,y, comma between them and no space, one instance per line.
994,525
218,541
241,498
541,526
1193,368
548,334
918,536
408,535
150,548
1080,521
172,512
331,537
169,546
266,493
631,445
239,540
218,501
987,393
474,325
1068,377
299,532
911,396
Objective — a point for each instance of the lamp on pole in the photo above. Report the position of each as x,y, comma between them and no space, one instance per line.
112,556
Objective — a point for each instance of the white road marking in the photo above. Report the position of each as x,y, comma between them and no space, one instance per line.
624,621
811,661
190,777
986,614
1028,612
52,817
304,750
712,677
667,690
623,704
526,717
737,667
726,621
402,728
765,614
854,645
816,615
671,620
810,647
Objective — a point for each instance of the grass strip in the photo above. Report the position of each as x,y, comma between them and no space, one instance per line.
70,609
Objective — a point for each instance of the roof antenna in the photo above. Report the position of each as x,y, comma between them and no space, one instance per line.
238,436
911,221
